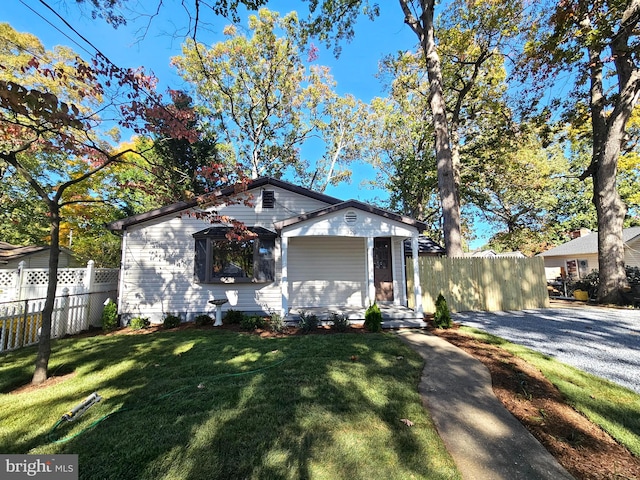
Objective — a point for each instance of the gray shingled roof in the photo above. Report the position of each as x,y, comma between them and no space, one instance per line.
425,245
14,252
120,225
587,244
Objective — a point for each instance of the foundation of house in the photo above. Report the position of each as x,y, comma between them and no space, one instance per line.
393,316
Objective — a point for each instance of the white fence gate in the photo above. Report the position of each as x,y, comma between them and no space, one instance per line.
80,298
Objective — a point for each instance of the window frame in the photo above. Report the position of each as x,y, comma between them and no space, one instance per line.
263,256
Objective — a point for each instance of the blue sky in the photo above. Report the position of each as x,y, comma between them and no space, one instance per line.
354,70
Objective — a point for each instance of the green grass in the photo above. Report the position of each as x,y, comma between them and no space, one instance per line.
614,408
282,408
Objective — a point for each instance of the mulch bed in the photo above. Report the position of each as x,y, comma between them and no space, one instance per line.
584,449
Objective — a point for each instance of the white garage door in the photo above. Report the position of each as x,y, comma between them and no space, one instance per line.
327,271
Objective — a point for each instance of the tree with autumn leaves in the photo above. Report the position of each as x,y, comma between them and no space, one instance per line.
53,136
597,47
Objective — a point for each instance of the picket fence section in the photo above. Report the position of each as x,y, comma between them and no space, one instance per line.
80,299
489,284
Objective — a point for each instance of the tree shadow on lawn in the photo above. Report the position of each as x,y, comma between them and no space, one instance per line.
239,406
83,362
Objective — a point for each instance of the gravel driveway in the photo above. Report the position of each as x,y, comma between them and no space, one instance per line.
601,341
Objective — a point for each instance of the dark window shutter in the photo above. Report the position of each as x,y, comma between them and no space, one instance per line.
200,264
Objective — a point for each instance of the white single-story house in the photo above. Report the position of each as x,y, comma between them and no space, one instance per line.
579,257
305,250
33,256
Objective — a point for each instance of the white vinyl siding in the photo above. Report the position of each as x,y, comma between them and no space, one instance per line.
327,271
158,263
554,262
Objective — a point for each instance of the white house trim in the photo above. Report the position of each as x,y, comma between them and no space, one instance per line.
371,287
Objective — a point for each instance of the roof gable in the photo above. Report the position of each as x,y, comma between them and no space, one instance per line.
350,204
120,225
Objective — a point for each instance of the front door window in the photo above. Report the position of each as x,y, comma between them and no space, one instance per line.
382,269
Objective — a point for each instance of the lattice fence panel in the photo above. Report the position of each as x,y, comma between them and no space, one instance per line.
37,277
71,276
7,278
106,275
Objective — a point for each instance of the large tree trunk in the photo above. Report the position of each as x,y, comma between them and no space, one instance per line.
608,138
447,187
611,212
44,342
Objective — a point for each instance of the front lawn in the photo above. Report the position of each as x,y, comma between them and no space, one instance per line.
212,404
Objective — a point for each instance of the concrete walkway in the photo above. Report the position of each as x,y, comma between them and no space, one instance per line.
484,439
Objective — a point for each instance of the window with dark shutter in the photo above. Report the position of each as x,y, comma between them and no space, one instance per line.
268,199
220,260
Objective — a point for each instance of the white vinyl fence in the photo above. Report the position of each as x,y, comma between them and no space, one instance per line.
80,298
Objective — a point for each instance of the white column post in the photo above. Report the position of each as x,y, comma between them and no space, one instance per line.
371,287
284,281
20,281
417,287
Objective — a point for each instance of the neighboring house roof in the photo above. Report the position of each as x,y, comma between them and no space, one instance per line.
587,245
15,252
494,254
425,245
350,204
120,225
12,253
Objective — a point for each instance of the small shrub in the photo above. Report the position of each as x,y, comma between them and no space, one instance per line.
203,319
633,275
442,317
138,323
110,316
233,317
276,323
340,322
373,319
251,322
308,322
172,321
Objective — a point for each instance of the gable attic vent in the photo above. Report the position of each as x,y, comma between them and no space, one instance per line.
268,199
350,217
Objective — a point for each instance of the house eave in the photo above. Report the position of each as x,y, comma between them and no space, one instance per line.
349,204
203,200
